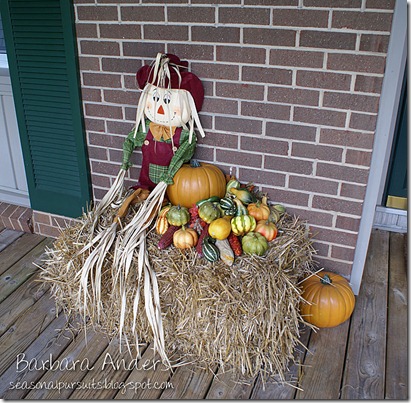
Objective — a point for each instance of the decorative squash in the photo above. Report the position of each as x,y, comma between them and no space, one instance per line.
185,238
242,224
196,181
219,228
233,183
210,251
178,215
228,205
209,212
243,194
259,210
254,244
330,299
161,225
241,209
267,229
226,253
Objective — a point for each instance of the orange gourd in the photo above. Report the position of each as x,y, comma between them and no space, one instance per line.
196,181
330,300
220,228
259,210
185,238
267,229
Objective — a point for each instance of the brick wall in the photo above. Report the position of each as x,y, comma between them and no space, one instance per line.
292,93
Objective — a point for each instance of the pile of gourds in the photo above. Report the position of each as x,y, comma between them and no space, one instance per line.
221,226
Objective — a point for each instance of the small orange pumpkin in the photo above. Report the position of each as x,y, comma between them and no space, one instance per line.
185,238
267,229
259,210
196,181
330,299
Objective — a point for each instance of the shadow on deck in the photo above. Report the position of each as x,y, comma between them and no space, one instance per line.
364,358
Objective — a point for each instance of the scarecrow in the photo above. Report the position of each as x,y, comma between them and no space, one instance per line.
166,114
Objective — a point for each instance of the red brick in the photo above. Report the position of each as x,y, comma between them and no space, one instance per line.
374,43
265,110
269,36
91,94
244,15
293,96
296,58
100,181
380,4
356,63
96,125
161,31
86,30
120,31
300,18
286,197
368,84
359,20
97,13
48,231
215,34
189,51
335,3
327,40
239,158
293,3
313,185
221,140
324,219
142,49
102,80
240,91
360,121
356,157
259,176
288,165
42,218
322,116
291,131
209,2
97,153
347,138
264,145
130,113
216,105
204,153
100,48
238,125
315,151
191,14
105,111
105,168
353,191
341,253
322,79
267,75
334,236
120,97
121,65
348,223
143,13
341,172
341,268
118,127
240,54
216,71
355,102
116,157
89,63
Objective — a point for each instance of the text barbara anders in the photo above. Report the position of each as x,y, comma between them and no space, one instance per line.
67,364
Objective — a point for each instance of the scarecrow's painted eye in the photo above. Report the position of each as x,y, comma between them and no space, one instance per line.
156,97
167,98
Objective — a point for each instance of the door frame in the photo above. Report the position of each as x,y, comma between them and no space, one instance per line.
384,134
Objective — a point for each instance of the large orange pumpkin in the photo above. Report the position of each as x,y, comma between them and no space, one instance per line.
330,299
196,181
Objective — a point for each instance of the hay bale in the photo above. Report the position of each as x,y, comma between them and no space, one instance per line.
243,318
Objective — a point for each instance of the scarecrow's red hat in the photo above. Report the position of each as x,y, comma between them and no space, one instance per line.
189,81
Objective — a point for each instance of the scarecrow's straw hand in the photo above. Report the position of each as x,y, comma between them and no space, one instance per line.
136,197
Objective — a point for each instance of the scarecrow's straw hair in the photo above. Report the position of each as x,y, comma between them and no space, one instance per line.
243,318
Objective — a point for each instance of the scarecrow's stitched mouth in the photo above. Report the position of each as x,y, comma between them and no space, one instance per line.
156,117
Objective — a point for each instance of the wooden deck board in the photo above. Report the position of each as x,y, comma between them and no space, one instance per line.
365,364
8,236
368,357
397,334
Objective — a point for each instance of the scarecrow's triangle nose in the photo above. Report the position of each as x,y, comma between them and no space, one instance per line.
160,110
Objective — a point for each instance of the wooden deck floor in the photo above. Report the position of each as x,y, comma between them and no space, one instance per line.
364,358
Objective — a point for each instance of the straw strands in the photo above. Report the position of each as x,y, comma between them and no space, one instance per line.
243,318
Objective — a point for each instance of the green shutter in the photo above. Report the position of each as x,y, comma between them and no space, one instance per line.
42,56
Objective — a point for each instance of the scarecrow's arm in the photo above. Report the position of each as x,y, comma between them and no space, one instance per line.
132,141
182,155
